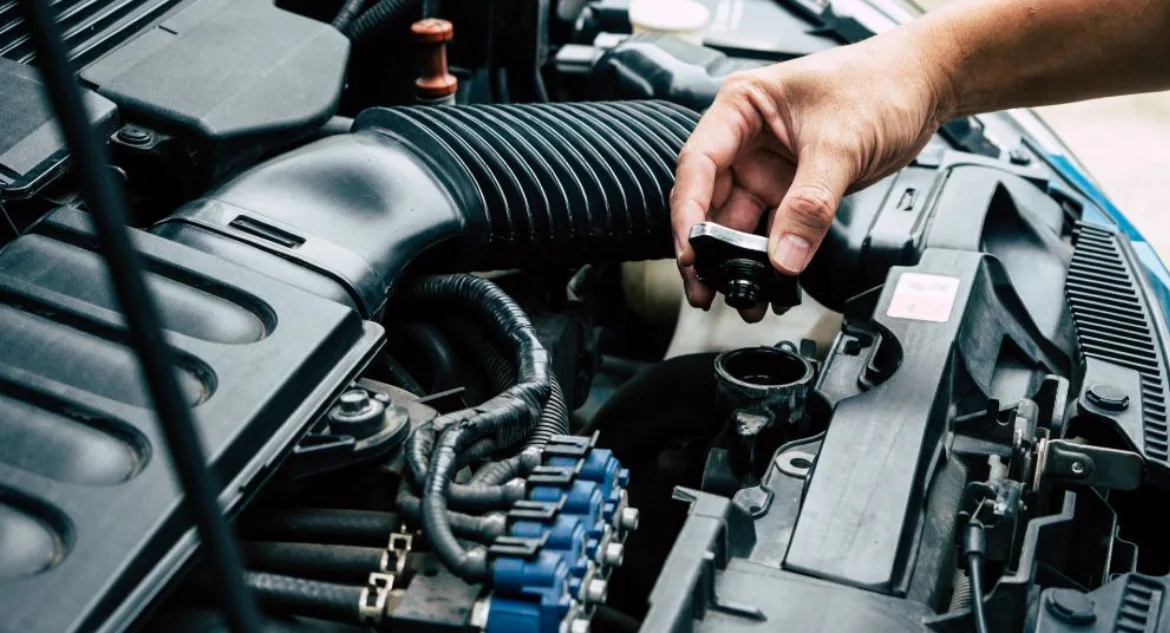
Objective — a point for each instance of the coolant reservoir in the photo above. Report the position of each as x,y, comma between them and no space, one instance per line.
684,19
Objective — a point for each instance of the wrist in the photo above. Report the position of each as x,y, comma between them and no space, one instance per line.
938,56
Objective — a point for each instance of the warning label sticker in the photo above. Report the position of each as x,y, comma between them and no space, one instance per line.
921,297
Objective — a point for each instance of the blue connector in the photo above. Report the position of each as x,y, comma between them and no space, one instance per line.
530,588
580,456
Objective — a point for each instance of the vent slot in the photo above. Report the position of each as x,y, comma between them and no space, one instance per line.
90,28
1139,605
1113,324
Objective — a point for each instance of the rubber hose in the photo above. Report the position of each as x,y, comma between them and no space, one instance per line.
335,563
349,11
555,183
426,340
499,371
385,15
311,598
554,420
469,564
320,525
471,496
519,465
455,188
400,376
510,416
481,529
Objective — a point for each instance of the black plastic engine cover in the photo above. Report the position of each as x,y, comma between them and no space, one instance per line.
90,520
231,77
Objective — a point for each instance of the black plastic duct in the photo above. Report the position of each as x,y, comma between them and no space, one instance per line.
473,187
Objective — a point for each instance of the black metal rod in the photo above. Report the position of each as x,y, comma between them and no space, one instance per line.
90,163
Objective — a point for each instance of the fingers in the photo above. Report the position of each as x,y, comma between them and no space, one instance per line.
807,211
706,157
698,295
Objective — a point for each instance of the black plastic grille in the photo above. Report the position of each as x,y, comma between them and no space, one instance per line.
90,27
1113,323
1138,605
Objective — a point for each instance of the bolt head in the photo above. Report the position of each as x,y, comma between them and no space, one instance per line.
1078,467
134,135
354,401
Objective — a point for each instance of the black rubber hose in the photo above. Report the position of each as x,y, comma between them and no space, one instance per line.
481,529
510,416
334,563
548,184
474,496
469,564
455,188
349,11
519,465
974,548
311,598
383,16
324,525
554,420
400,376
500,372
429,342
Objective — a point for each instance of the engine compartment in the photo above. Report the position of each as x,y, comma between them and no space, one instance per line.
436,362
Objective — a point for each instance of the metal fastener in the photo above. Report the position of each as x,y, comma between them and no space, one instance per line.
134,135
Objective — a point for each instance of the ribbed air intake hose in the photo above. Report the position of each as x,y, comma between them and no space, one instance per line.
564,182
450,188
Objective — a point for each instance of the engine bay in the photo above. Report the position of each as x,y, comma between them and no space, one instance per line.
414,260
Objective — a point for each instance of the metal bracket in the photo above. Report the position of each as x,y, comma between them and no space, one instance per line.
1092,466
397,553
374,598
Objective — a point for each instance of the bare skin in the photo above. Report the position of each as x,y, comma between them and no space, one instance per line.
781,145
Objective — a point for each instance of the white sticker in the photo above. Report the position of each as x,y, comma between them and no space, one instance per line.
924,297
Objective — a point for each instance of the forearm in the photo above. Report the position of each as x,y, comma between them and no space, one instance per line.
1000,54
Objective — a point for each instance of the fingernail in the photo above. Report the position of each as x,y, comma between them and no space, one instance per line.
792,253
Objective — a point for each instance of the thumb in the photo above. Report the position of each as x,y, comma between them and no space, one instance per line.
806,212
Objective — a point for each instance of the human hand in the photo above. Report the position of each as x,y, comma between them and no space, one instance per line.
780,146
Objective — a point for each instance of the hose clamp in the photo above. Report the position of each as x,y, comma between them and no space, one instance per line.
374,598
397,553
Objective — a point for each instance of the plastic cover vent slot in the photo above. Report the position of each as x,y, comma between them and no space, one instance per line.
1139,605
1114,325
90,27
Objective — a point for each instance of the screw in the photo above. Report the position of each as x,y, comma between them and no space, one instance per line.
134,135
1071,606
1107,397
1078,468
